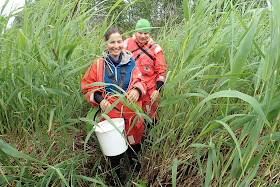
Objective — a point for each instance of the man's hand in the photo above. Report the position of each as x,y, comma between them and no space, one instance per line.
155,95
134,95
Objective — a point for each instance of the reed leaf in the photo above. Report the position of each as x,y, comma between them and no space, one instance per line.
174,172
186,10
90,179
232,93
9,150
242,53
51,119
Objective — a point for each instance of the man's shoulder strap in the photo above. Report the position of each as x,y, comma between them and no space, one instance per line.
145,50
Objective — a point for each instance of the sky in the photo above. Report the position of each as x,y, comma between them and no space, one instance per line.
12,5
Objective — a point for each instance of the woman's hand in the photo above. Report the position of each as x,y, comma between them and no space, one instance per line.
134,95
104,105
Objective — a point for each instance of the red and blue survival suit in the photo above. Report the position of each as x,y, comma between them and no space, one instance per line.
149,57
129,76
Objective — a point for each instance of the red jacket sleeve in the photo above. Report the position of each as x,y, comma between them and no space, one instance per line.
160,65
93,74
138,82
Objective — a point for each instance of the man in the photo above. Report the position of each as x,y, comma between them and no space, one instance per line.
149,58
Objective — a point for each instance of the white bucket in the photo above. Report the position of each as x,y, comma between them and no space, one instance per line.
112,142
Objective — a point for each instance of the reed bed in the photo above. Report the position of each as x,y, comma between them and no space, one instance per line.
218,115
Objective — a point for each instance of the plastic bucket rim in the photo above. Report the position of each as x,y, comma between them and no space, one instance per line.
109,126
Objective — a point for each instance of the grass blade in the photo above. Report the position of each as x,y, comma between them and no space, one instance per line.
174,171
242,53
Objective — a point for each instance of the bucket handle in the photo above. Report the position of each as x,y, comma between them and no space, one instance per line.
99,110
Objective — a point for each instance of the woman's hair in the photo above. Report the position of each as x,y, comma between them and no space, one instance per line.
112,31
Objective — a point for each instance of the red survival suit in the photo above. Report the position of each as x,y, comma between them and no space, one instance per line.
96,73
152,67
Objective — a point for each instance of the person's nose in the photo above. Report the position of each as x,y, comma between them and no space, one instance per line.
116,45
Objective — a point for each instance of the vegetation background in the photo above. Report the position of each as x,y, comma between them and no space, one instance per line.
219,110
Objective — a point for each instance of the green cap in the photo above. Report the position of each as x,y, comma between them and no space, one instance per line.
143,25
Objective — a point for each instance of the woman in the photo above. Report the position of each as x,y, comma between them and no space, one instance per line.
117,67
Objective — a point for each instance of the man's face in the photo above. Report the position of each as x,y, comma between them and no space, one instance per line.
142,36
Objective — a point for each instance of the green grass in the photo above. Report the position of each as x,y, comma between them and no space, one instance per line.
219,110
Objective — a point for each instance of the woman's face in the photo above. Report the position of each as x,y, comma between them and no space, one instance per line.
115,46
